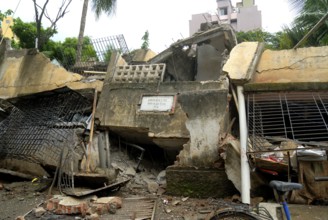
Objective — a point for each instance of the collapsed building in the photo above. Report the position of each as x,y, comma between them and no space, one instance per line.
183,101
178,101
286,103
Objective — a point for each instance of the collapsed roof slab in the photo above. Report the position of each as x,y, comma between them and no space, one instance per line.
24,72
198,114
198,57
243,61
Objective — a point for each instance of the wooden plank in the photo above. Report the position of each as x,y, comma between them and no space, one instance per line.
94,72
91,131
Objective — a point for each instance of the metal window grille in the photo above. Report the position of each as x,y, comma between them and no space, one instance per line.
300,116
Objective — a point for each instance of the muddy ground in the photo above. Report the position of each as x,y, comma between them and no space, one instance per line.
19,197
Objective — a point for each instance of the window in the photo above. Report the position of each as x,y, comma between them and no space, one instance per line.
223,11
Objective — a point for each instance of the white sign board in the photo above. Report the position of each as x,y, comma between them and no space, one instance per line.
157,103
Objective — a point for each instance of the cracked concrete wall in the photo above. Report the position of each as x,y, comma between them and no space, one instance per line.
24,72
208,115
300,69
300,65
199,116
287,67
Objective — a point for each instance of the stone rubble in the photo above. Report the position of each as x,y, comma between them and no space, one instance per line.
39,211
90,207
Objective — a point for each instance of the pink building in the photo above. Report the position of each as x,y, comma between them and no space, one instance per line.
244,17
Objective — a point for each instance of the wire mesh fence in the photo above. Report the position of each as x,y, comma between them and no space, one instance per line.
40,127
94,57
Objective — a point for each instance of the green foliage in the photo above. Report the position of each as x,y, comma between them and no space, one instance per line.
88,52
65,52
145,38
108,53
284,41
26,32
14,44
5,14
103,6
272,41
309,14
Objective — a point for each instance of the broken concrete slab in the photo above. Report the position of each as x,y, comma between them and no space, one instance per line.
110,200
232,167
39,211
208,63
21,166
188,59
24,72
140,56
243,60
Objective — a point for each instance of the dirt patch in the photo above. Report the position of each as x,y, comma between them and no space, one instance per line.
19,198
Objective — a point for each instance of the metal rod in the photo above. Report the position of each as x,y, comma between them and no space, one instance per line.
321,178
141,155
245,172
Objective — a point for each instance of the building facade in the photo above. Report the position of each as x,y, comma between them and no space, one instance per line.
245,16
5,27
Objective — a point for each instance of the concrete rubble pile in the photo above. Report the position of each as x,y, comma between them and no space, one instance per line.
179,109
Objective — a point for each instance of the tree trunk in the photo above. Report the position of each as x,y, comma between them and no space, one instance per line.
81,33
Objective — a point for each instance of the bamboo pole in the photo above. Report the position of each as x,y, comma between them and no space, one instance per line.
91,131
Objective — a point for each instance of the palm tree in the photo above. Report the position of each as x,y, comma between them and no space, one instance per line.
310,12
98,6
297,5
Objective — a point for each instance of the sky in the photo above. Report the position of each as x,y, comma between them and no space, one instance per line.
166,21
